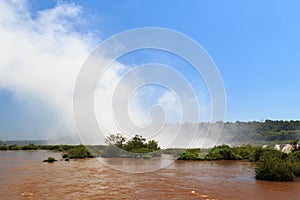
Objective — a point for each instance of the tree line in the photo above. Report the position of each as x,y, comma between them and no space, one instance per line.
258,132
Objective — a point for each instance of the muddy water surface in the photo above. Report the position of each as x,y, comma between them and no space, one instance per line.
24,176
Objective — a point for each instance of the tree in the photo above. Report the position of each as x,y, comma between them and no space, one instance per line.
153,145
137,142
137,147
116,139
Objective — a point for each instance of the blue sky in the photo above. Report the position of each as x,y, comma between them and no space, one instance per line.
255,45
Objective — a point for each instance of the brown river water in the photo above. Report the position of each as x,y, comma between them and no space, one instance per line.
24,176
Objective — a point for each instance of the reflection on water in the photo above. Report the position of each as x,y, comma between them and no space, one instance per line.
132,165
25,176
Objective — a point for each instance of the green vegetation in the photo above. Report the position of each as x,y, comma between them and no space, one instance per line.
4,147
56,147
69,151
223,152
261,132
137,147
245,151
270,164
30,146
252,132
77,152
15,147
50,160
191,154
277,166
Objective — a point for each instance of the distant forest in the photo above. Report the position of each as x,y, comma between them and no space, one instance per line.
235,133
258,132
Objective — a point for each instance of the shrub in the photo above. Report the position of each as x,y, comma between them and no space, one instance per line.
65,155
30,146
15,147
274,165
50,160
295,168
4,148
187,155
294,161
245,152
296,155
77,152
257,152
223,152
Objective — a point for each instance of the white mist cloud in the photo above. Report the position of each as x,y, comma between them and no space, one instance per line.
41,56
169,102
